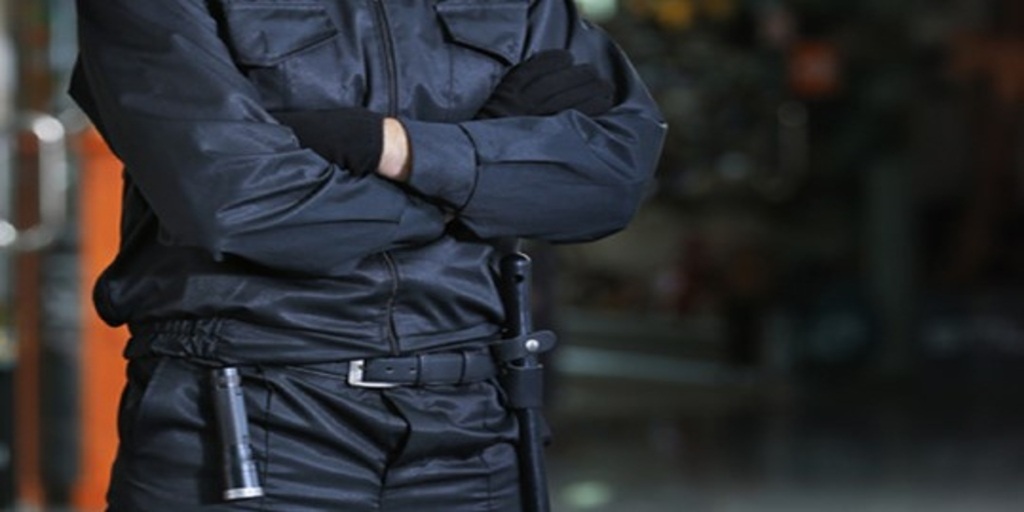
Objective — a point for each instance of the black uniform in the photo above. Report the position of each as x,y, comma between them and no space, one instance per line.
239,246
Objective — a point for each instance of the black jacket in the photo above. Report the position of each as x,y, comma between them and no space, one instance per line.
239,245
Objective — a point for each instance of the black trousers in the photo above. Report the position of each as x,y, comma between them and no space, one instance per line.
320,444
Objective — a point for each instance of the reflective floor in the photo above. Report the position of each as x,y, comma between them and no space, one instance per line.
712,439
944,442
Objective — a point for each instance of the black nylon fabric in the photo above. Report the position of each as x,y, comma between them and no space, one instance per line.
319,444
239,245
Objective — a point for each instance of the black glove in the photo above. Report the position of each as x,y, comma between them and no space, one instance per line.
548,83
350,137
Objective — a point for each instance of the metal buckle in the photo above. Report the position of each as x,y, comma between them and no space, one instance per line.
355,377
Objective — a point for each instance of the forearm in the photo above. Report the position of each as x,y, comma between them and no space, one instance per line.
217,170
559,178
563,177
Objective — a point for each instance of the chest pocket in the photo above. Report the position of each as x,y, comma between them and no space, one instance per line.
484,38
494,28
289,49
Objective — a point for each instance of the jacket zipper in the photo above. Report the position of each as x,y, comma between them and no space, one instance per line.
384,26
389,55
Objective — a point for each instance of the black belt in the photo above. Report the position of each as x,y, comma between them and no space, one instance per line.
428,369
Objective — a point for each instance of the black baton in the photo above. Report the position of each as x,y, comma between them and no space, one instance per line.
523,379
241,479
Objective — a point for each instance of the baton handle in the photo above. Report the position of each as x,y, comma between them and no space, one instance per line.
516,272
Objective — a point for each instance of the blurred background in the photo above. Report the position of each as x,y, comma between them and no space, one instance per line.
818,309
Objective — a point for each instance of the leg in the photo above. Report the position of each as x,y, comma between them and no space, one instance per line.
320,445
459,452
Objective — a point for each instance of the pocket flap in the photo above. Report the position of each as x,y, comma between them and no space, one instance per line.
262,32
496,28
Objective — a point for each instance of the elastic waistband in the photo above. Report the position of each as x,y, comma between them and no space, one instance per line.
226,341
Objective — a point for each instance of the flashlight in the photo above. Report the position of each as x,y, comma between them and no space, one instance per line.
241,479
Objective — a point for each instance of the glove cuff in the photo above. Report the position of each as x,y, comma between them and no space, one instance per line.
351,137
361,133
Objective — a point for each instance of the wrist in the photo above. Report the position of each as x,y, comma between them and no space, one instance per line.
395,159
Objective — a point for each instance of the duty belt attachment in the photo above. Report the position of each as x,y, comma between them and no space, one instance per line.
522,377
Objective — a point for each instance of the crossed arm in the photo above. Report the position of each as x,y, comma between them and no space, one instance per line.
364,142
222,174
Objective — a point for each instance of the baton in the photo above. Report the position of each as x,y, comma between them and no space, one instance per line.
241,479
515,275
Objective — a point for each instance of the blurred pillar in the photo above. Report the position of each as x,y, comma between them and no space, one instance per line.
890,243
33,90
102,373
7,348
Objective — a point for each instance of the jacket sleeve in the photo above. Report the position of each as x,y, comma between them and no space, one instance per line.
562,178
219,173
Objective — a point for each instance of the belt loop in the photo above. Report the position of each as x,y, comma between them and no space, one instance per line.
419,370
464,367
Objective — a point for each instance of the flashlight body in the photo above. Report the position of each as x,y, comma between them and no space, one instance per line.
241,478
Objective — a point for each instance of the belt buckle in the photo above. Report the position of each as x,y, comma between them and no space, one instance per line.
355,377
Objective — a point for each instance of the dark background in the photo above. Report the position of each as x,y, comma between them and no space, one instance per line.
817,309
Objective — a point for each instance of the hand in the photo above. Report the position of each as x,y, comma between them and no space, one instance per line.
395,159
548,83
350,137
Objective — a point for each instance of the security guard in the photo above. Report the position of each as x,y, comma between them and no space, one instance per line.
312,191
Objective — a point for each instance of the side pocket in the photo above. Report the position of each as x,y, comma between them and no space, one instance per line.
501,418
143,374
